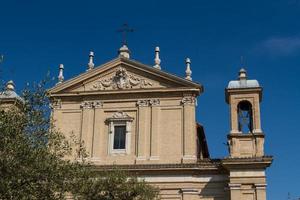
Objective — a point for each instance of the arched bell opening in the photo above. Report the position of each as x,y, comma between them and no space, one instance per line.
245,117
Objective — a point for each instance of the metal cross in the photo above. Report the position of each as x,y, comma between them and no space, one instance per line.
124,30
243,61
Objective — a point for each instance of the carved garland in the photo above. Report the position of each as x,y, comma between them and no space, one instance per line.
120,116
121,80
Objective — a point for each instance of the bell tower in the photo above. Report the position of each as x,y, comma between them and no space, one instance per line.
246,163
246,138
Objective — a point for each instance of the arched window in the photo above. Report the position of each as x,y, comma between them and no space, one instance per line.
245,117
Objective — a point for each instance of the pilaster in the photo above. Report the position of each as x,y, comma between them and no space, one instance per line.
142,130
260,191
235,191
87,126
189,129
88,121
97,131
154,133
190,194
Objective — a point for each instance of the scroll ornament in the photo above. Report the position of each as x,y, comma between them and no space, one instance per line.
121,80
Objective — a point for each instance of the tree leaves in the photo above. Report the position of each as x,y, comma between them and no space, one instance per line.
33,164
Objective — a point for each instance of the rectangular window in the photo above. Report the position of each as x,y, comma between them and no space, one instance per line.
119,137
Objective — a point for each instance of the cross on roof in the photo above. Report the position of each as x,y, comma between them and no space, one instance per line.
124,30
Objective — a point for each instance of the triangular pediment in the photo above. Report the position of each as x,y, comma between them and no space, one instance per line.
122,74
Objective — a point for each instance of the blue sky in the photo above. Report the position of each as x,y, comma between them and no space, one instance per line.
36,36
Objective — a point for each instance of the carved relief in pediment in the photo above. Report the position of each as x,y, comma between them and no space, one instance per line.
121,80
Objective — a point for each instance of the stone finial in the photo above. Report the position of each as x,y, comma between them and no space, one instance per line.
124,52
157,59
242,74
10,86
91,61
188,70
61,74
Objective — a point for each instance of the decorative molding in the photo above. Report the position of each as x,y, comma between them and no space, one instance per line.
120,116
121,80
148,102
189,191
91,104
55,104
140,158
260,186
234,186
98,104
189,100
142,102
179,178
154,158
189,157
154,102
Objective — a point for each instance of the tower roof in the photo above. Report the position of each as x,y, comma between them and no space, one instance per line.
242,81
9,93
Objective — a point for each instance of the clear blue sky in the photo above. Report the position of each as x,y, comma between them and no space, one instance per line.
36,36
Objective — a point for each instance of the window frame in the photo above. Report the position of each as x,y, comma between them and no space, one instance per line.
123,134
119,119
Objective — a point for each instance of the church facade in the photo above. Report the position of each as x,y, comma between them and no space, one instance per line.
143,120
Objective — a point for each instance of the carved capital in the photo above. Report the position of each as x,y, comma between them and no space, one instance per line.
91,104
55,104
154,102
98,104
189,100
148,102
142,102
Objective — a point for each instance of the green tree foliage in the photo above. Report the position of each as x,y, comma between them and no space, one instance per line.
117,185
32,165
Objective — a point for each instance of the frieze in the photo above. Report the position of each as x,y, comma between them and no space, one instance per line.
121,80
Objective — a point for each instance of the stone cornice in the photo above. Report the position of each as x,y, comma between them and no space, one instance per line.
247,163
132,91
201,165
